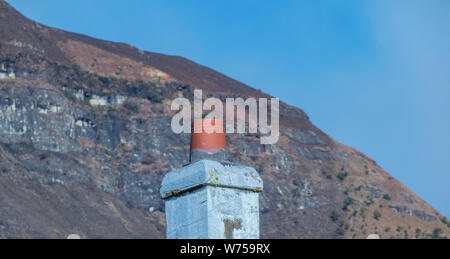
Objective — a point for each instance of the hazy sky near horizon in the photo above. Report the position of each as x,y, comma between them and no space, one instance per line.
372,74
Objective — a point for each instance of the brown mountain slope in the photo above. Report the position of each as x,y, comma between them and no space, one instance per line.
84,145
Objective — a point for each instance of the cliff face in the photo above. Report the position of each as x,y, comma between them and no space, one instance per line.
85,142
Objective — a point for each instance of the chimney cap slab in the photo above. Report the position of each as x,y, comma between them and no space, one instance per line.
210,173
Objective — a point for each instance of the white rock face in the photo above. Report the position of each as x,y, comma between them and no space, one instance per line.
7,75
102,100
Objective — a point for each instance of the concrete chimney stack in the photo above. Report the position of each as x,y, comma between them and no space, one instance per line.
210,198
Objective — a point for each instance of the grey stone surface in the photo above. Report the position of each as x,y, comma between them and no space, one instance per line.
209,200
208,172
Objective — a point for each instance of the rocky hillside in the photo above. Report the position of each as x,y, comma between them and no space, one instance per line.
84,144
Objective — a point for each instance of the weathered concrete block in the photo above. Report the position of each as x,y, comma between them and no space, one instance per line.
210,200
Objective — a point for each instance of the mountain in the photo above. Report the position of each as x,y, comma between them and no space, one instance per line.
84,144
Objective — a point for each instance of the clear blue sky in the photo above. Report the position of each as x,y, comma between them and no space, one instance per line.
372,74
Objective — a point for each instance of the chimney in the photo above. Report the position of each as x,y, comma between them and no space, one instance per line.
212,146
211,198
